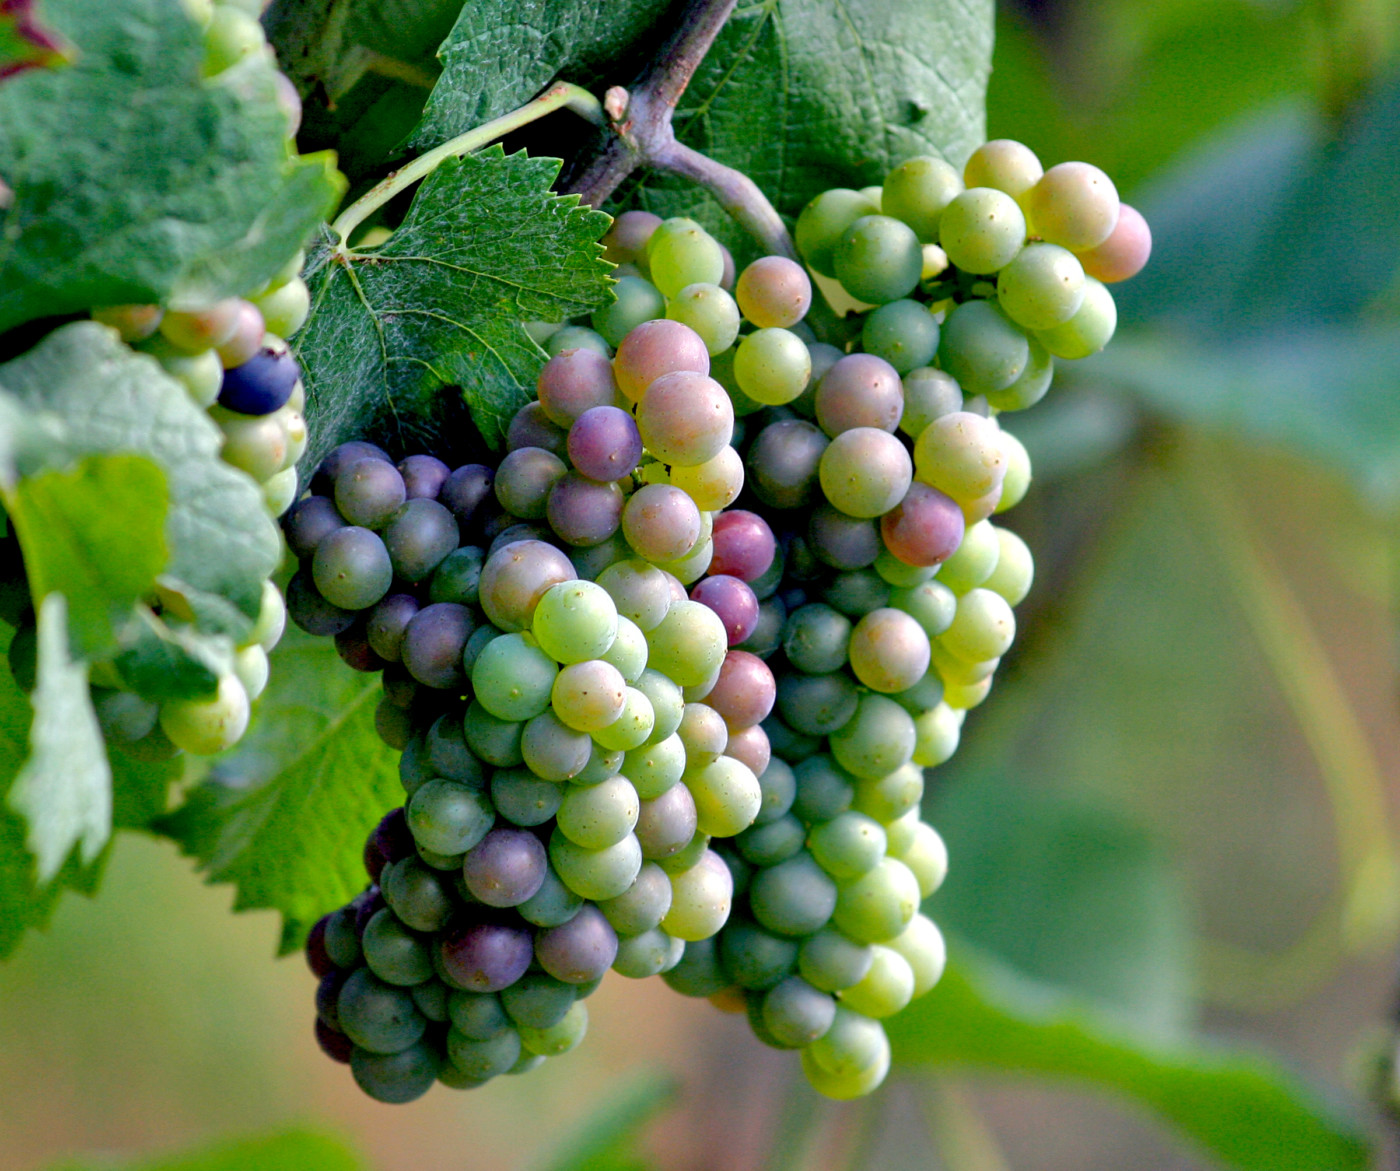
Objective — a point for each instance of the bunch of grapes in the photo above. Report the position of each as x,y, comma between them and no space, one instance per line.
721,786
231,358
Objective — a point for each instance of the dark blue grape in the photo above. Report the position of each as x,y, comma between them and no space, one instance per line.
262,384
386,625
323,482
308,521
310,611
423,476
465,489
485,957
433,644
421,534
506,867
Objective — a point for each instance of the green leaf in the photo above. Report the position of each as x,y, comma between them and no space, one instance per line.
607,1141
97,396
160,661
135,180
285,817
64,789
394,332
289,1150
1237,1105
71,547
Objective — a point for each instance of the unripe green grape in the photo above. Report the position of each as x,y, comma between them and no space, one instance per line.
576,337
512,677
923,949
956,672
598,816
638,590
250,665
702,733
710,312
927,858
1015,569
575,621
898,574
832,961
975,559
280,491
625,242
794,898
588,696
774,291
929,393
393,953
285,309
1018,472
643,905
667,704
648,954
449,818
890,797
522,798
701,898
853,1043
596,874
484,1060
1042,287
795,1013
683,860
982,348
688,644
635,300
1032,384
878,905
877,739
654,768
230,36
772,842
936,733
878,259
917,191
201,374
815,638
824,220
694,565
727,796
924,695
558,1038
904,333
961,454
1089,330
965,696
865,472
133,323
272,618
714,484
633,727
1074,205
982,230
983,628
552,750
848,845
772,366
900,833
628,652
817,705
844,1087
377,1016
755,958
256,444
885,989
680,252
1005,164
207,726
889,650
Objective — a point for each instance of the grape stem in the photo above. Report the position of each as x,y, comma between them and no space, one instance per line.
561,95
643,134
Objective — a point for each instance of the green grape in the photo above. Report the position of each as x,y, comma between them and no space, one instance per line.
900,833
975,560
888,798
689,644
417,895
817,705
201,374
231,36
494,740
1018,472
936,735
574,621
1074,205
393,953
484,1060
560,1037
956,672
857,592
878,905
904,333
639,591
983,628
552,750
982,229
1089,330
633,727
588,696
636,300
927,857
628,652
815,638
512,677
795,1013
772,366
877,740
928,394
961,454
889,650
848,845
595,874
207,726
982,347
449,818
396,1077
714,484
643,905
878,259
680,252
852,1044
771,842
931,604
894,572
478,1016
832,961
886,988
552,905
667,704
537,1000
963,696
754,958
1015,569
601,815
865,472
1031,386
923,949
693,566
917,191
710,312
341,941
1042,287
843,1087
823,789
1005,164
647,954
795,898
285,310
824,221
431,998
576,337
655,767
701,897
523,798
727,796
377,1016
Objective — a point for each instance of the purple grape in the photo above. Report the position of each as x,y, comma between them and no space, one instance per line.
323,482
355,652
666,824
744,545
465,489
604,443
573,381
260,385
422,533
368,492
506,867
732,599
580,950
524,480
531,427
860,390
584,512
423,476
310,611
392,836
316,958
433,643
387,623
336,1046
308,521
485,957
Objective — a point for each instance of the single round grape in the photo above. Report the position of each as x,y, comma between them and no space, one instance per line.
576,337
514,579
865,472
680,252
878,905
703,734
727,796
878,259
713,485
1015,569
524,480
878,739
904,333
889,650
553,904
604,443
787,743
1089,330
856,592
477,1016
922,947
643,905
932,604
310,611
647,954
393,953
983,348
485,957
368,492
635,300
449,818
885,989
689,644
842,541
558,1039
975,559
794,898
582,511
589,695
523,798
433,642
928,394
257,444
754,958
815,638
816,704
602,764
666,823
633,727
552,750
207,726
483,1060
750,746
1031,386
638,590
772,842
133,322
466,490
423,476
531,427
323,482
598,816
961,454
1042,287
655,348
1018,472
595,873
352,568
398,1077
956,672
772,366
685,418
823,222
308,521
796,1013
832,961
861,390
625,242
927,857
1124,253
341,940
1005,164
744,545
850,1059
573,382
418,895
888,798
774,292
982,229
579,951
660,522
983,628
733,600
698,972
628,652
710,312
783,463
285,308
202,329
744,692
701,898
420,535
575,621
1074,205
937,732
768,633
262,382
654,768
127,717
917,191
376,1016
894,572
506,867
537,1000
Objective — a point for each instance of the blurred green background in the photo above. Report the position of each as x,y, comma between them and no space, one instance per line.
1179,804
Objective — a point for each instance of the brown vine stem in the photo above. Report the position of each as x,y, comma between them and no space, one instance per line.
643,135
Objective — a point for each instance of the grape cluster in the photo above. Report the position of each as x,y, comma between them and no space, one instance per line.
721,786
231,359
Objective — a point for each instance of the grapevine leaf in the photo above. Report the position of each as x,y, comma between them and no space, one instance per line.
26,42
71,547
1235,1104
134,180
161,661
95,395
285,817
289,1150
64,789
393,332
